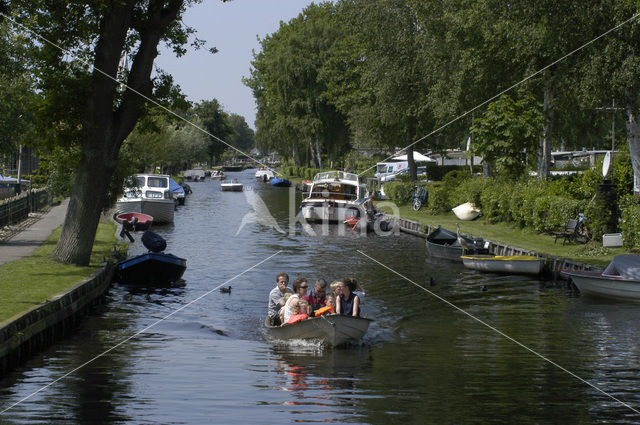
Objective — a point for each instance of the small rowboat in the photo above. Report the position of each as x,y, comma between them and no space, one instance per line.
152,268
333,329
512,264
619,281
280,182
134,221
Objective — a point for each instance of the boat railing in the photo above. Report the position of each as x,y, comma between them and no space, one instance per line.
333,196
333,175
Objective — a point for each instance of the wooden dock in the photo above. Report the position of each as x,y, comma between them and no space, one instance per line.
552,264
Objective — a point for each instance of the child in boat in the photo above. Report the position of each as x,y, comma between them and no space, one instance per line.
330,308
300,312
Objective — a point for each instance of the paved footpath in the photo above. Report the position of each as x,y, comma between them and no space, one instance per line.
26,241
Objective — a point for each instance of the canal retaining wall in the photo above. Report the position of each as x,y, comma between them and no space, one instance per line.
31,331
553,264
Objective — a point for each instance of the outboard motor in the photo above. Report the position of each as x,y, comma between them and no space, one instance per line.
153,241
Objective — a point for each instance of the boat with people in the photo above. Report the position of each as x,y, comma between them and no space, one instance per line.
332,329
148,194
280,182
233,186
444,243
512,264
333,197
217,175
154,268
620,280
264,174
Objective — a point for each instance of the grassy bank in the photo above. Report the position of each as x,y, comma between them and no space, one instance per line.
32,281
591,253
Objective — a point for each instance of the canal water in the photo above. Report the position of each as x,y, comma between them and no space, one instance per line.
207,360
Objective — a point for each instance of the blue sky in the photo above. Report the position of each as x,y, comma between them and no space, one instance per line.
232,27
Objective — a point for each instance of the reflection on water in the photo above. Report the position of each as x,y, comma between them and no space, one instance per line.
421,361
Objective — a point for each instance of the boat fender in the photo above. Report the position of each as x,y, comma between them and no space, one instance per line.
323,310
295,318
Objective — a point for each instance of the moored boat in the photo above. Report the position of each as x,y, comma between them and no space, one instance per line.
179,194
333,197
217,175
152,268
264,174
134,221
620,279
148,194
195,175
280,182
334,329
512,264
443,243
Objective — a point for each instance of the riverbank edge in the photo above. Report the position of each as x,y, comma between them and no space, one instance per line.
553,264
35,329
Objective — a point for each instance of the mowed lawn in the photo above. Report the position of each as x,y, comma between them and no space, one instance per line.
31,281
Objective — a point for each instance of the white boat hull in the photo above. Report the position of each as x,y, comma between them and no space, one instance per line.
593,283
328,211
466,211
160,209
331,329
514,264
231,187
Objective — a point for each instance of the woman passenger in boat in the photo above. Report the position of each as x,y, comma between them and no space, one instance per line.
300,286
348,303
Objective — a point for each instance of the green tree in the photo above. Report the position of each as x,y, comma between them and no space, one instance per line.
93,96
507,134
242,137
216,122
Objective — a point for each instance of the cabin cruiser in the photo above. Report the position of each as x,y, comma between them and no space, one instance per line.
148,194
335,196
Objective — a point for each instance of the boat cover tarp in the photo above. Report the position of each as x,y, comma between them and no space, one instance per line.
626,266
153,241
175,187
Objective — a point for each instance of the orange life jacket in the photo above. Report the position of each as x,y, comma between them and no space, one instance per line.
323,310
295,318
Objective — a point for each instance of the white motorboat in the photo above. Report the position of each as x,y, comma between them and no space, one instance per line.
148,194
512,264
217,175
334,329
620,280
264,174
194,175
335,196
233,186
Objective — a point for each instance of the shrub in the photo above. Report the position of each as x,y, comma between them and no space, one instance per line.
438,199
399,192
630,221
469,190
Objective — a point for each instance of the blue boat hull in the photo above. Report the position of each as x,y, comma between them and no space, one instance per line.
278,182
152,268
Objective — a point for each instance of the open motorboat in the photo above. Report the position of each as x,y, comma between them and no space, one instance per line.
234,186
512,264
152,268
217,175
264,174
148,194
443,243
333,329
620,280
333,197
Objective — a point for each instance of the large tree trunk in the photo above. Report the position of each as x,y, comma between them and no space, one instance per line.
106,127
312,152
633,134
544,148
